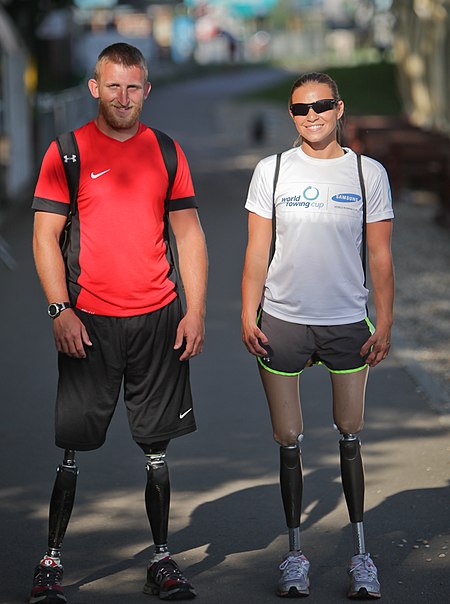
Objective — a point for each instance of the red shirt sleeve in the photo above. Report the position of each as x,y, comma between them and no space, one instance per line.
183,195
51,193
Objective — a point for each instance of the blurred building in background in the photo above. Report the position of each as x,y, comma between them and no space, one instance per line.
16,143
64,38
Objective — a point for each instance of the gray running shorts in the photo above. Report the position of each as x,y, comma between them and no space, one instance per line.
293,346
138,352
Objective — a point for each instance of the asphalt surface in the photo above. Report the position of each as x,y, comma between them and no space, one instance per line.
227,526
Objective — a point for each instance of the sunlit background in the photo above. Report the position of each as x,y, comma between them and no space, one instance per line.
221,72
393,57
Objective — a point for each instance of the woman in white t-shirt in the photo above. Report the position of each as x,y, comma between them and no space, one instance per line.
310,304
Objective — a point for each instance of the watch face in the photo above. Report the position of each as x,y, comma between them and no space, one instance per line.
53,310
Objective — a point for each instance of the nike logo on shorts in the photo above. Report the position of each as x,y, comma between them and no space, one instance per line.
94,176
185,413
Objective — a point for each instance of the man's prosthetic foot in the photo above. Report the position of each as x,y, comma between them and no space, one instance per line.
165,579
47,582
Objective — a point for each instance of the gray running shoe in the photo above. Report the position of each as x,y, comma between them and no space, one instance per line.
294,581
364,583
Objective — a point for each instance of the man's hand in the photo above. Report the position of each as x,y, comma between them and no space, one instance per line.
191,330
70,335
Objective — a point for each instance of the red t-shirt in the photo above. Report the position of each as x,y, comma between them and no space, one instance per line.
117,263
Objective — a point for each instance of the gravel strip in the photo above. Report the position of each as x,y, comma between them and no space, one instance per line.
421,250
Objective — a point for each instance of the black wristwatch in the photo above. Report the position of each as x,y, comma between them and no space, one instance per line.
56,308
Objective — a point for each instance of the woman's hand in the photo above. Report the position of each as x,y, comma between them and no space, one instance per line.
253,338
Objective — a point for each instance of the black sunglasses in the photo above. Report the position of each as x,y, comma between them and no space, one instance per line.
317,106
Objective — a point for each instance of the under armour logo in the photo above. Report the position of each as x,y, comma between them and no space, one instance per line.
68,158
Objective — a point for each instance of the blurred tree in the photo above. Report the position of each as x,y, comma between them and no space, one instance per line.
422,49
28,14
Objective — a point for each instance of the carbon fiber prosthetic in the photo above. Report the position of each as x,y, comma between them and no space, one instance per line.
352,474
157,498
61,502
291,482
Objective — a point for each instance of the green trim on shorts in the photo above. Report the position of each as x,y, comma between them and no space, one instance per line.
259,313
346,370
278,372
370,325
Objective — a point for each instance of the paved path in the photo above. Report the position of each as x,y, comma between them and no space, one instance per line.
227,527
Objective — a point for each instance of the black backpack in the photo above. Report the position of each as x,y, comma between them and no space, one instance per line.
70,156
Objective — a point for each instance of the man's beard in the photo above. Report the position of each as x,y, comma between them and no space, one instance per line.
119,121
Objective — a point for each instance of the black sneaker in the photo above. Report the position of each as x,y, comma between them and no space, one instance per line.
165,579
47,583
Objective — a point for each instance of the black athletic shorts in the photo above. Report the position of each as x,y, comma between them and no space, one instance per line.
137,351
293,346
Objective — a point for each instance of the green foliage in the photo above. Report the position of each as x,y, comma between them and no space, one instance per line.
369,89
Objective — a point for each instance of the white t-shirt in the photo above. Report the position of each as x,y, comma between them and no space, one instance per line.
316,275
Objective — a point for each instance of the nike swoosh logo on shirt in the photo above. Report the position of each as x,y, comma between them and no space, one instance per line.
94,176
185,413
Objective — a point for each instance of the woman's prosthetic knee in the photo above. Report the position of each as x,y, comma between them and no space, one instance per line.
61,502
291,482
352,473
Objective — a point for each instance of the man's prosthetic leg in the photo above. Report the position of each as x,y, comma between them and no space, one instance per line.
353,484
291,482
49,572
164,577
61,503
157,495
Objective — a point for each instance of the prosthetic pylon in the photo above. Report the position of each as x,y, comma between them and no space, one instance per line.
61,502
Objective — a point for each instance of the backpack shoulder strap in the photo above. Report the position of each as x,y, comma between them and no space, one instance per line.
274,214
364,220
169,154
70,157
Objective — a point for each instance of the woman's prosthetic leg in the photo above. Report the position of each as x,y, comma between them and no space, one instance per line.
283,396
61,503
157,493
348,413
352,473
291,482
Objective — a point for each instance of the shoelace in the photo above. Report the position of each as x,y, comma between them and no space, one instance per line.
294,565
49,576
364,570
169,569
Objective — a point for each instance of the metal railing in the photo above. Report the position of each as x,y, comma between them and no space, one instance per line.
60,112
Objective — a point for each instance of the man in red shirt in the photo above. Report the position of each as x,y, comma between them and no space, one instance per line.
116,313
